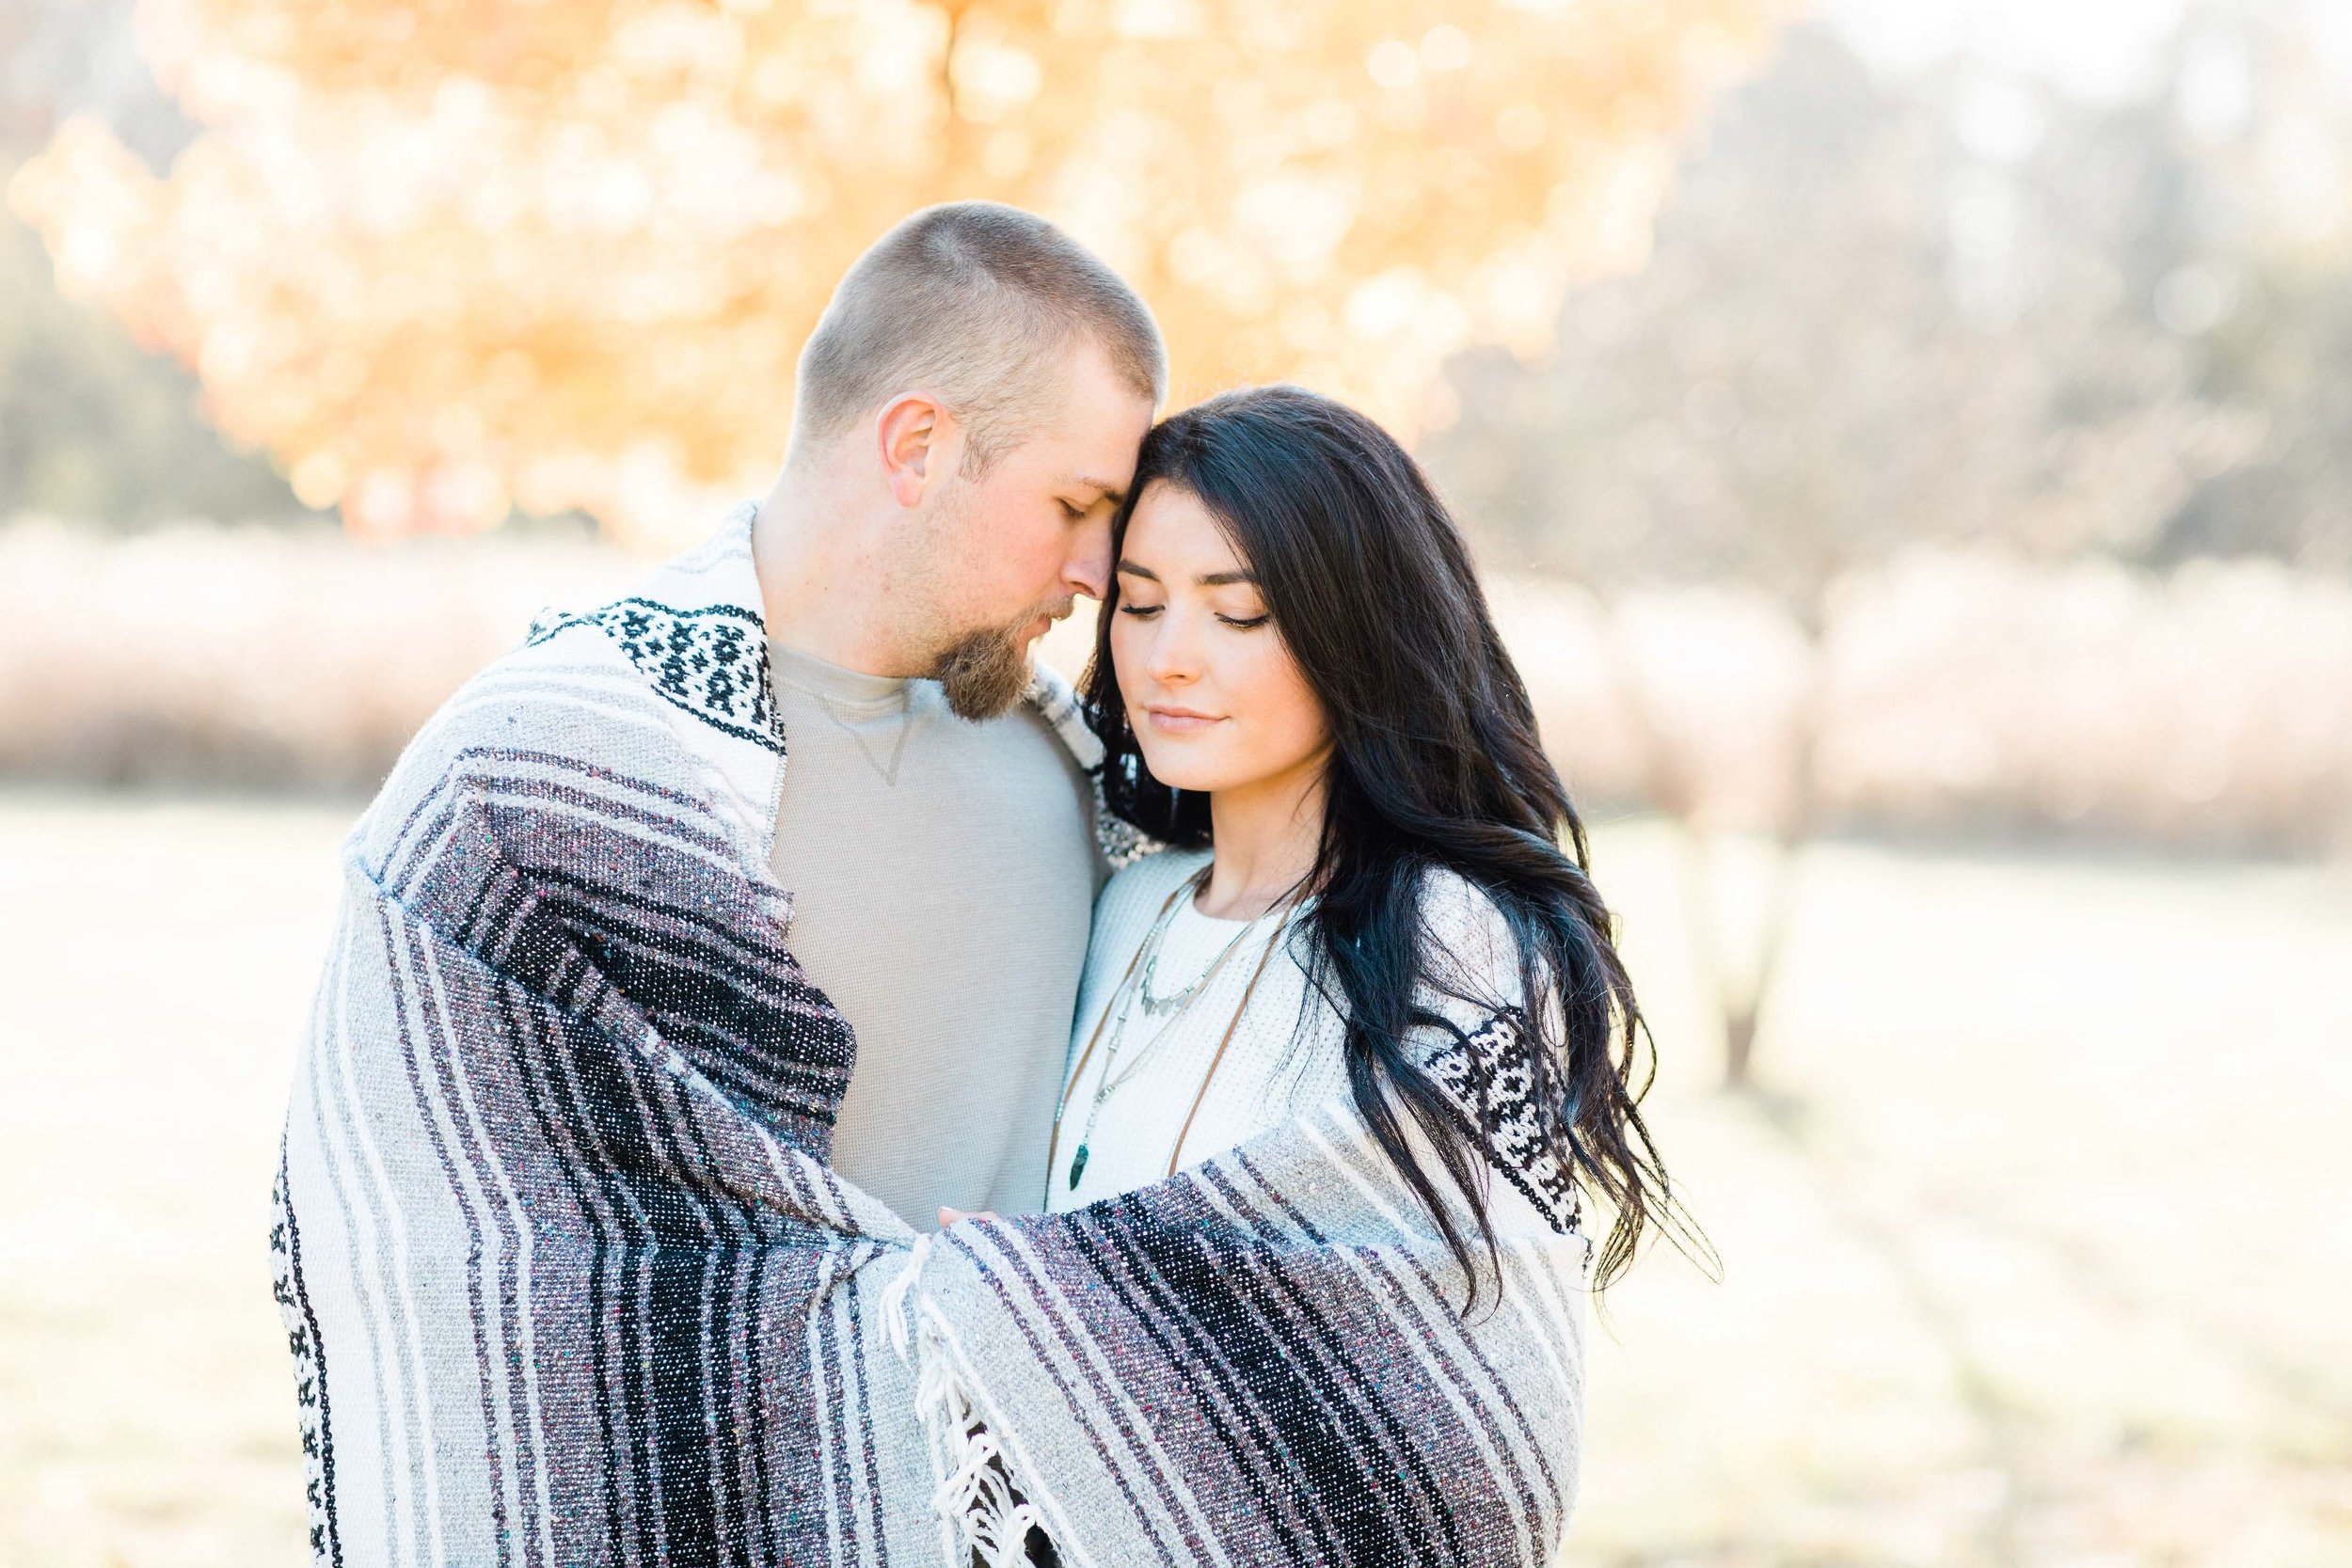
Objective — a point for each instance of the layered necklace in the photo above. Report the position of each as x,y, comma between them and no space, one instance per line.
1137,990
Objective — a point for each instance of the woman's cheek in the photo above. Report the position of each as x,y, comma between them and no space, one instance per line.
1302,715
1123,652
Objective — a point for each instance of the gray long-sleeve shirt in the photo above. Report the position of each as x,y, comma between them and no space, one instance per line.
942,876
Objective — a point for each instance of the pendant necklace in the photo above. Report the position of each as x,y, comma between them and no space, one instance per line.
1136,987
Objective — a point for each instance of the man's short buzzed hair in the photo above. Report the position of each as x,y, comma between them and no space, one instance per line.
977,302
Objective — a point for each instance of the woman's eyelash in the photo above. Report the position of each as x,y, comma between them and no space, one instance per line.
1238,623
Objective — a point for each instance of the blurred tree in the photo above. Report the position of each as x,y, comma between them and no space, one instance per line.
94,430
91,428
439,259
1875,317
1860,332
2259,284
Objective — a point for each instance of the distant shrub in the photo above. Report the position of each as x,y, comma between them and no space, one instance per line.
1958,691
253,658
1968,691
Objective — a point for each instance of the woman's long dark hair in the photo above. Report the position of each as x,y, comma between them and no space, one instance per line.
1434,764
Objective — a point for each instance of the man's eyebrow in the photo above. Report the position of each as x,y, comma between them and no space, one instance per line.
1111,492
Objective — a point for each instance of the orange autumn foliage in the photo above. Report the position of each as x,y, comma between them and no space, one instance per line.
445,258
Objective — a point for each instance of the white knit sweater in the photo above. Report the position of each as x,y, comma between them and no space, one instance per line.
1286,1053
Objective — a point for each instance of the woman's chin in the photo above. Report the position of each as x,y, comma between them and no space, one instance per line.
1179,766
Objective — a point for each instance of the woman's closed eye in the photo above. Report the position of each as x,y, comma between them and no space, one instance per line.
1239,623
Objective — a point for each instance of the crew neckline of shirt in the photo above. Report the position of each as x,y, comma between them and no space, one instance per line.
1186,906
833,683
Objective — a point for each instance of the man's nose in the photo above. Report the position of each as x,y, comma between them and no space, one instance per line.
1088,569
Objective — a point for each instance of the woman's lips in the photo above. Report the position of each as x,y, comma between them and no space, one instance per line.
1178,721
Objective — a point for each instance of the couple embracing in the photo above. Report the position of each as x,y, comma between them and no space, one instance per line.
795,1082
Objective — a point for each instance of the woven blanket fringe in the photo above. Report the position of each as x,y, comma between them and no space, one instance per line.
977,1495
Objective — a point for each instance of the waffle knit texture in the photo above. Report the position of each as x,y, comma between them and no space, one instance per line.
1182,1090
943,878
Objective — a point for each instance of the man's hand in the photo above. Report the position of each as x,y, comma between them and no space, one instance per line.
948,1217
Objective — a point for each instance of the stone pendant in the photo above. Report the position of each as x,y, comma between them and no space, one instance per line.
1077,1167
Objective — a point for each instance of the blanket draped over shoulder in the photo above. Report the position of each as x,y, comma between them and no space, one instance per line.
568,1280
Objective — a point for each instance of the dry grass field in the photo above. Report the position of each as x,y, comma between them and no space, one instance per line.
2034,1241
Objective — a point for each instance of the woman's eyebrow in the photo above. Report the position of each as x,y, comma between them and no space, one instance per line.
1206,579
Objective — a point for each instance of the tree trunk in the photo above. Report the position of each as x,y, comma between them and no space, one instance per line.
1739,1045
1736,995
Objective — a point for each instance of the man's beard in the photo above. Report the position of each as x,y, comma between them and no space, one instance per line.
982,674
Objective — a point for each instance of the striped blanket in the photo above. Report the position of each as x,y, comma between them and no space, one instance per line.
567,1279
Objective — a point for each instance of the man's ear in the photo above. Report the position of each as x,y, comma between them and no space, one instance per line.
918,438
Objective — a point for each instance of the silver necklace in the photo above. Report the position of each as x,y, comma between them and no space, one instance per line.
1122,1007
1154,1005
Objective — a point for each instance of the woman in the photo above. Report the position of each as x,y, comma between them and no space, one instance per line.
1300,689
1364,923
1281,1307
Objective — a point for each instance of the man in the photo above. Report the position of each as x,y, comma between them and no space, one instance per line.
510,1279
970,407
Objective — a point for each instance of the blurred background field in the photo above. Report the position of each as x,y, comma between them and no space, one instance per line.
1910,448
2032,1252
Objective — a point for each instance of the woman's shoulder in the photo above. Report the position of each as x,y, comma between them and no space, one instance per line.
1474,982
1137,891
1469,941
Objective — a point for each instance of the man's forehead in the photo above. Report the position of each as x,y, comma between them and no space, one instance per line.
1099,430
1116,490
1092,453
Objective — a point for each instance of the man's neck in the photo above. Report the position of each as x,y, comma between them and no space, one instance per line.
825,583
1267,835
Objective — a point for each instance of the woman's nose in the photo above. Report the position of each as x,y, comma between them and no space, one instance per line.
1172,659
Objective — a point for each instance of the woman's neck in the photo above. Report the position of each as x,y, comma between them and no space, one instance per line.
1266,836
